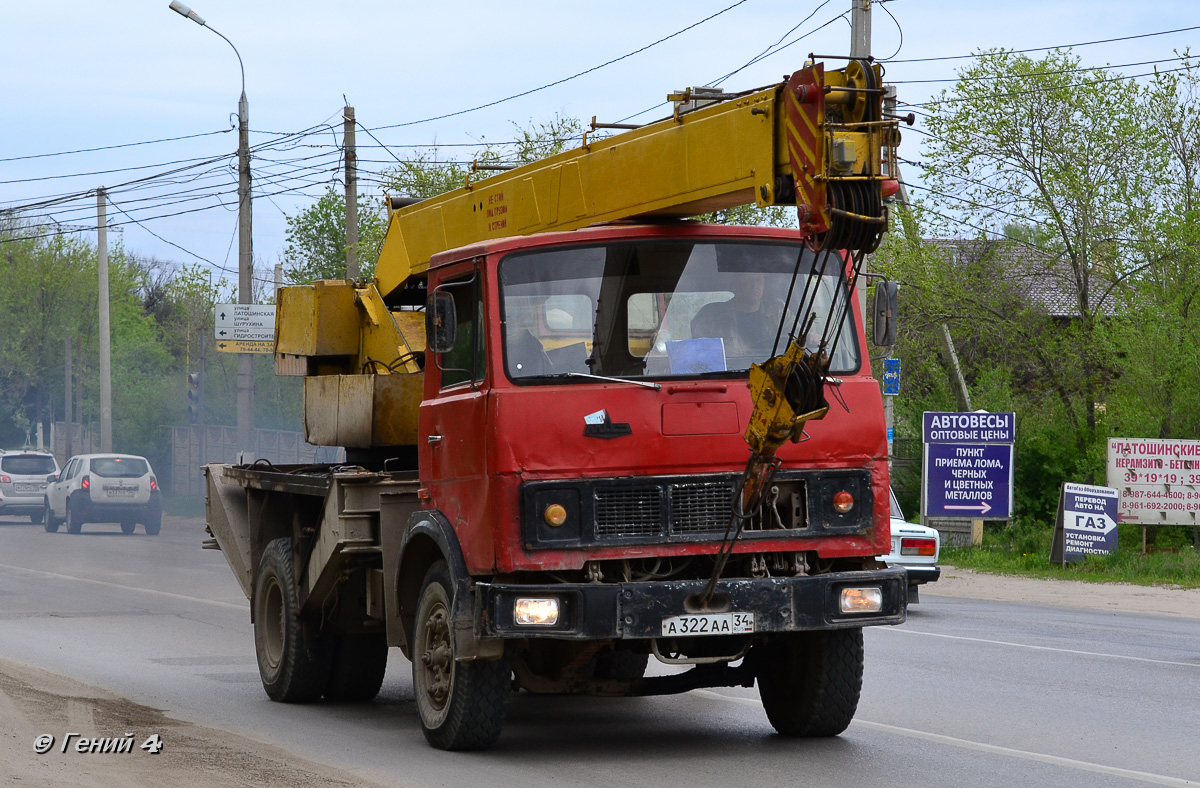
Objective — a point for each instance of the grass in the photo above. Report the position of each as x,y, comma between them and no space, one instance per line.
1024,550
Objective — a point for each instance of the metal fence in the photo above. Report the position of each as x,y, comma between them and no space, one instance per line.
198,445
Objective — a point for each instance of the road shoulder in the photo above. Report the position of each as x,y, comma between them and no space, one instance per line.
34,702
1112,597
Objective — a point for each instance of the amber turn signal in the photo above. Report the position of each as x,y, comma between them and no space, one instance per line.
555,515
843,502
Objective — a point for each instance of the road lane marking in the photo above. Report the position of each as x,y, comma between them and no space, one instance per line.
991,749
107,584
1046,648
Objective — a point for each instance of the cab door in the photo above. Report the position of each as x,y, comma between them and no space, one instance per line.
454,417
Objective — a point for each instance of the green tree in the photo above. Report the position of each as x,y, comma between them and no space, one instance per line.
316,238
1071,155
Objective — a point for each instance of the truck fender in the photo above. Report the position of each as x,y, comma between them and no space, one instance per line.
427,538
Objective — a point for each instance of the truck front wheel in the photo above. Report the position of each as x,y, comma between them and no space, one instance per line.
809,682
462,705
293,664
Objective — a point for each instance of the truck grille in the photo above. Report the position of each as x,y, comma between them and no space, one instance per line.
696,508
691,508
632,511
642,510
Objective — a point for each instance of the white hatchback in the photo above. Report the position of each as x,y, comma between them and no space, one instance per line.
914,547
104,488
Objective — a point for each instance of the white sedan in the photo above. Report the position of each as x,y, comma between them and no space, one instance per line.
916,548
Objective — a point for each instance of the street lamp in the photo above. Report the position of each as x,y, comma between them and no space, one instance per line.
245,413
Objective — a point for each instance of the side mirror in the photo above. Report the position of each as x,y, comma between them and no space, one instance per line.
884,313
441,322
52,478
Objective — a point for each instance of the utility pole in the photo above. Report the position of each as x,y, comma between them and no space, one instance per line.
351,156
68,417
105,336
860,47
245,277
860,28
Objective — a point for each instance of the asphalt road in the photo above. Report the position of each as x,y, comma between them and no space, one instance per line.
967,693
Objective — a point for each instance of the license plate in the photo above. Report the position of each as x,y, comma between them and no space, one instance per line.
27,487
708,624
119,493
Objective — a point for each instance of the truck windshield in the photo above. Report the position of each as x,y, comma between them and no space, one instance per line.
663,308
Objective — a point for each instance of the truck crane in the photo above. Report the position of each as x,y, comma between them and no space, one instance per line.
583,429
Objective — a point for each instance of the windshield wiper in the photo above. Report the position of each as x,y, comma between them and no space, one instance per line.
643,383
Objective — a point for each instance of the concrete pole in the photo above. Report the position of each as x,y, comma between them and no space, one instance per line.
351,156
68,417
860,28
245,398
105,334
860,47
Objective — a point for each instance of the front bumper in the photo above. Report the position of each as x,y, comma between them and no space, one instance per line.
632,611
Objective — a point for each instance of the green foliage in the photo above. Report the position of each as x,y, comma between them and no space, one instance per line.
770,216
316,238
1024,549
1076,309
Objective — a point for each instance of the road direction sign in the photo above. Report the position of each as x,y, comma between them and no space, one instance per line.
941,427
891,377
243,346
260,316
1086,522
245,334
972,481
968,468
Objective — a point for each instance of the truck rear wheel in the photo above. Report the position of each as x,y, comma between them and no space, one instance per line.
291,661
462,705
809,682
359,662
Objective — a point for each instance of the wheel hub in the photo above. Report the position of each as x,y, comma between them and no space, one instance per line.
437,659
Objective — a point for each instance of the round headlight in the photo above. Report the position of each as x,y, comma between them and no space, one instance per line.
555,515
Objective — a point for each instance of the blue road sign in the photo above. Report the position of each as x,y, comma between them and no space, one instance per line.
938,427
972,481
891,376
1089,520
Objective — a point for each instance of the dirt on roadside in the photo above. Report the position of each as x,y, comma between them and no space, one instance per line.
1114,597
34,702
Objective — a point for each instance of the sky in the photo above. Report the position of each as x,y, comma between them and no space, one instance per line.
118,73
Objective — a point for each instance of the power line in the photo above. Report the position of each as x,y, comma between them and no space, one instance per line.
1039,73
1043,49
564,79
114,147
1118,78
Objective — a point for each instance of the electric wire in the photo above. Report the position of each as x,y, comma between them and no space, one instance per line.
1057,46
564,79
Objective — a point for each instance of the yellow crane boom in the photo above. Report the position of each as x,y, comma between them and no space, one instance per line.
816,141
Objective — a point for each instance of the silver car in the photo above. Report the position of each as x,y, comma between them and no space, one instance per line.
23,476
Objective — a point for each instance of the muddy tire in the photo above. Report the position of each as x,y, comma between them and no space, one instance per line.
291,661
357,667
461,705
810,682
